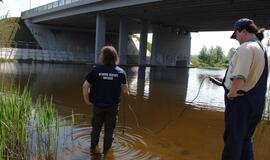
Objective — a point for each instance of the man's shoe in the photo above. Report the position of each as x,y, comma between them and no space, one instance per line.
93,150
107,152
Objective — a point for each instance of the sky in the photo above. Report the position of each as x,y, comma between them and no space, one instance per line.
198,39
15,7
222,39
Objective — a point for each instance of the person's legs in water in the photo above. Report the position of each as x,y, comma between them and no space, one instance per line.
254,119
109,125
236,125
97,122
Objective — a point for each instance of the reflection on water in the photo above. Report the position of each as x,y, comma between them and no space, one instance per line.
210,95
155,122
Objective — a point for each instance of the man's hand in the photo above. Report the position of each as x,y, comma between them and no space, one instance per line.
86,91
232,95
216,81
236,85
89,103
125,89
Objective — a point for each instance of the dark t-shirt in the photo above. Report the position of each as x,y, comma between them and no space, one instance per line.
106,83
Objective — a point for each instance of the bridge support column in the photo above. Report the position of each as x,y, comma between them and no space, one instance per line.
170,48
141,81
154,51
123,41
100,35
183,57
143,43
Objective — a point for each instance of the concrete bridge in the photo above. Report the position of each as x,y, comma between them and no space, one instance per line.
112,21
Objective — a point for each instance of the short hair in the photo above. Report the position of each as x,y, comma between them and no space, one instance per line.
109,56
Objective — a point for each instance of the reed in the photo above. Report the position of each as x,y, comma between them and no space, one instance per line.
27,130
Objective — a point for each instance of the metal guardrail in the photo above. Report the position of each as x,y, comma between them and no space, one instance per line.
35,45
20,50
53,5
50,6
19,44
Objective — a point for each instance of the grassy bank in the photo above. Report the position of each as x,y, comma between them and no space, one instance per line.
14,30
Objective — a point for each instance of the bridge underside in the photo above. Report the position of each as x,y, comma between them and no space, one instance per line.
188,15
170,21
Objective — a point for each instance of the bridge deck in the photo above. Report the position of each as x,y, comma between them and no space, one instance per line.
190,15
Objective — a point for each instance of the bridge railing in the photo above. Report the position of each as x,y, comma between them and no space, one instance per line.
20,50
19,44
35,45
50,6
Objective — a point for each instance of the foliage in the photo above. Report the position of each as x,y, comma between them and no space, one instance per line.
213,57
27,129
149,45
14,30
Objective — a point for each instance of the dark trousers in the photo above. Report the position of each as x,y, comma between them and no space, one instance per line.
108,117
241,118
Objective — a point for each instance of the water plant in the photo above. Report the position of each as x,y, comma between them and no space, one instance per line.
28,130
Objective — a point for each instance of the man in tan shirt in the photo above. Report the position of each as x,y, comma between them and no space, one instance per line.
245,86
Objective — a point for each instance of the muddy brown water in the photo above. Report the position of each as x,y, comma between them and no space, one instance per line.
157,121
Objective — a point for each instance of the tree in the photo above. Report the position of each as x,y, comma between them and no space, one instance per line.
220,54
213,57
216,55
203,56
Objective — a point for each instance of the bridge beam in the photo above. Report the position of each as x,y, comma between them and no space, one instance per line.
143,43
100,35
123,41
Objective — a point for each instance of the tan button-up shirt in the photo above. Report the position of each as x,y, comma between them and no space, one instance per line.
248,64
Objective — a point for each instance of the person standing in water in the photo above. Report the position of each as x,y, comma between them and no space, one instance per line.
102,89
245,84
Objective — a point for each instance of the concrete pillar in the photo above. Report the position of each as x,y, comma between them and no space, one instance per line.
100,35
141,81
183,58
143,43
123,41
170,48
154,51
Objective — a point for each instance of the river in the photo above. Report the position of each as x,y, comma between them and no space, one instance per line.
157,121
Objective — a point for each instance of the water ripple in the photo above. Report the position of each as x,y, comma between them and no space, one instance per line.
128,143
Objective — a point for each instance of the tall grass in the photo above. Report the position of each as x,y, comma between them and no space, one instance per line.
27,130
